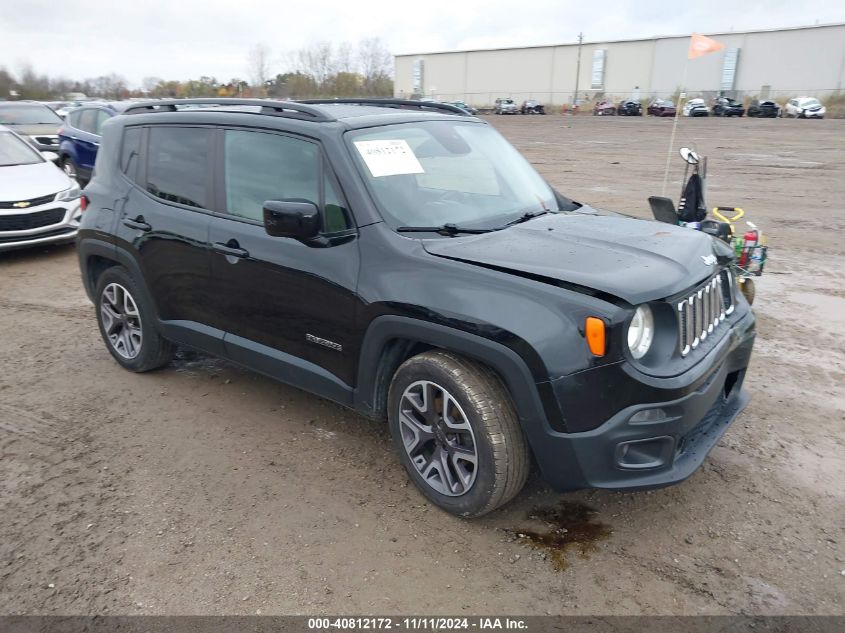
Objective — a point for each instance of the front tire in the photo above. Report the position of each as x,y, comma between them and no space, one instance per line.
457,433
127,323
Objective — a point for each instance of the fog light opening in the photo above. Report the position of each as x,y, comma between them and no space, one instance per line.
643,454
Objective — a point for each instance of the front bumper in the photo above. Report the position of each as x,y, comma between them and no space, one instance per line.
659,440
63,229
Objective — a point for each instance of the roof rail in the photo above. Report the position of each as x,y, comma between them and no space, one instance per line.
290,109
404,104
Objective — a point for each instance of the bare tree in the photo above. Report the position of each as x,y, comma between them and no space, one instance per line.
344,59
31,85
111,86
149,84
374,59
7,83
259,65
316,60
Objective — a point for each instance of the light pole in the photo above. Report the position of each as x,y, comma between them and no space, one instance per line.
577,74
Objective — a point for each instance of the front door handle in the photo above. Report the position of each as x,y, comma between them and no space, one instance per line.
138,223
231,248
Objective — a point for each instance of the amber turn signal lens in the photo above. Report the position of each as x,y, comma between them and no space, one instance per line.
596,336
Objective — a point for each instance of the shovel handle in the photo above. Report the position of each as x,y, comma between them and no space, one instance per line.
737,214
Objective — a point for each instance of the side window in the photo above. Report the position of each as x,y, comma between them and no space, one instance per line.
178,165
73,119
130,152
87,121
260,167
102,117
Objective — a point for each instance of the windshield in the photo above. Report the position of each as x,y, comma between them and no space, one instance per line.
34,114
443,172
810,103
14,151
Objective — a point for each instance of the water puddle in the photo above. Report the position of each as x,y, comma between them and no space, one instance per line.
570,527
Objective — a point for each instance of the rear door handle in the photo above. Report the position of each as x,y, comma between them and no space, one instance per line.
138,223
231,248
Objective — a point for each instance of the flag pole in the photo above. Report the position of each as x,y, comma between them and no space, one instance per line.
681,96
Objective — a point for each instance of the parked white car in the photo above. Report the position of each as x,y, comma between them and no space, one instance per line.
804,108
696,107
39,204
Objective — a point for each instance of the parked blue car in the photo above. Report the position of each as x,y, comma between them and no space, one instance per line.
79,138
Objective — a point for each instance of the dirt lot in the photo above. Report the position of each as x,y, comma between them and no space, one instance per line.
205,488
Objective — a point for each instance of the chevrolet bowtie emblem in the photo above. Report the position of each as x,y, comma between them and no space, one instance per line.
21,205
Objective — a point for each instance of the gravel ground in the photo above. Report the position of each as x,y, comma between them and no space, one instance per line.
207,489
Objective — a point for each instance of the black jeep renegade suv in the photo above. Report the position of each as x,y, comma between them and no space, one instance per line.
402,259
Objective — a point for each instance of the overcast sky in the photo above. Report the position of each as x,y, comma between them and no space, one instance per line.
181,39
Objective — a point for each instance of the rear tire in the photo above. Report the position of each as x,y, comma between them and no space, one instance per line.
127,323
457,433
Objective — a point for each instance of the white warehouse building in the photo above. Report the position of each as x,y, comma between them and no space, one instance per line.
777,63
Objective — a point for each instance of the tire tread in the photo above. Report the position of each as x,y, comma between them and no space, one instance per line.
485,390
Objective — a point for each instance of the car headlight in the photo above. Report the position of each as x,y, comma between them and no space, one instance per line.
641,332
69,194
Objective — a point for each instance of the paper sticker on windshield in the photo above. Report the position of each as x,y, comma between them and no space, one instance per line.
389,158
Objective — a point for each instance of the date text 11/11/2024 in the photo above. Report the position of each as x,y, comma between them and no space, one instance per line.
416,623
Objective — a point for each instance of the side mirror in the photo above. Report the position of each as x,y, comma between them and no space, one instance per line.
298,219
51,156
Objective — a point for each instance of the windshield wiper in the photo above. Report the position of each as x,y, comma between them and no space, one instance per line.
445,229
528,215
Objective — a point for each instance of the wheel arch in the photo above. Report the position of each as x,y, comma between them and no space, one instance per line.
67,150
390,340
97,256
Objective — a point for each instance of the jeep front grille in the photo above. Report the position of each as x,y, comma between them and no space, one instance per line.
704,310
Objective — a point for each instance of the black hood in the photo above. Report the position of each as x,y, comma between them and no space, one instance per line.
634,260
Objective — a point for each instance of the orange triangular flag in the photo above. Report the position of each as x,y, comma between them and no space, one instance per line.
700,45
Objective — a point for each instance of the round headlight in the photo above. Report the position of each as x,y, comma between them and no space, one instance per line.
641,332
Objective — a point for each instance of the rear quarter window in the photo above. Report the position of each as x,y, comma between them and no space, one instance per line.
87,120
130,152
